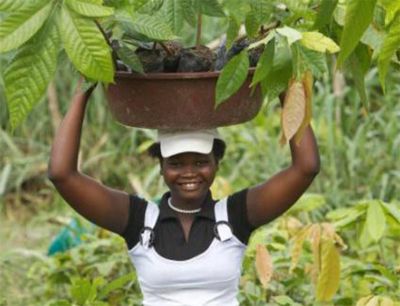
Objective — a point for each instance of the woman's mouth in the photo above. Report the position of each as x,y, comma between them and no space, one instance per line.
190,186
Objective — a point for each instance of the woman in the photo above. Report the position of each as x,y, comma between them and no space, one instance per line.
187,250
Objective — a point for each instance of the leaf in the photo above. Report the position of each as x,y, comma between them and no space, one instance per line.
298,246
21,25
232,77
391,9
150,6
307,82
188,12
264,265
376,221
392,210
27,76
389,47
306,59
88,9
116,284
291,34
318,42
231,32
86,46
251,24
262,10
362,11
315,236
325,13
278,79
294,109
385,301
152,27
359,62
373,302
209,7
364,237
264,64
363,301
175,14
13,5
130,58
329,277
81,290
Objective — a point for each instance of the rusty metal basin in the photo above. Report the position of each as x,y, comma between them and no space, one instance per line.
178,101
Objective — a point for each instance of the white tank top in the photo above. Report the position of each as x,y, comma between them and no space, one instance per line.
210,278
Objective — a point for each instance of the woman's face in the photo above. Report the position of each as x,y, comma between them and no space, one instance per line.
189,175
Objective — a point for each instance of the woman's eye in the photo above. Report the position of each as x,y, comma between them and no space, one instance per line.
202,162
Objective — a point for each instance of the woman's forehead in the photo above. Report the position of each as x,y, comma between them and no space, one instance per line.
189,155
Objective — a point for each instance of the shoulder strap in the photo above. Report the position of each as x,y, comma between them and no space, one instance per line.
150,219
222,227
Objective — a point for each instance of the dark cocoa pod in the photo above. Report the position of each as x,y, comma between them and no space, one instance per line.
152,59
196,60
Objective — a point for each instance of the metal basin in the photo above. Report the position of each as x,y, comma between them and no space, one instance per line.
178,101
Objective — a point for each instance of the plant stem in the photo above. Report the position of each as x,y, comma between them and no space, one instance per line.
164,46
198,35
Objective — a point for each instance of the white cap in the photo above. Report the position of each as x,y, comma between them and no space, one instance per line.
173,142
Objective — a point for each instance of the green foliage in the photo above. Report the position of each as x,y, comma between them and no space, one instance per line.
232,77
30,71
86,47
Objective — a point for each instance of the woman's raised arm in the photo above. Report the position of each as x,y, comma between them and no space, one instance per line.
272,198
104,206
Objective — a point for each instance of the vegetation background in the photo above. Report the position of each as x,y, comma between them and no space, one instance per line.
352,208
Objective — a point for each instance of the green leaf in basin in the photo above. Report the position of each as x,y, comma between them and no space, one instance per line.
86,46
175,14
152,27
318,42
129,57
232,77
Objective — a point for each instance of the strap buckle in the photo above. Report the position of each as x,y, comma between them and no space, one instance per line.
147,237
223,233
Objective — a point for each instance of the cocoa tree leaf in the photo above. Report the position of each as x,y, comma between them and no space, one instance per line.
251,24
232,77
13,5
30,71
130,58
262,10
152,27
325,13
318,42
150,7
175,14
298,246
364,300
329,276
292,35
89,9
391,9
294,109
364,237
86,46
315,236
189,13
209,8
231,32
263,263
376,221
363,12
307,82
277,80
264,64
19,26
359,62
389,47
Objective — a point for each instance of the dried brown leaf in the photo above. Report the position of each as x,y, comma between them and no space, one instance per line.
294,109
307,82
264,265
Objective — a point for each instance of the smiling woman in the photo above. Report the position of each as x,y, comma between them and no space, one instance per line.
188,249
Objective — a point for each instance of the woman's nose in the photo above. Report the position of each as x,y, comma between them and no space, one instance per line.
189,170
